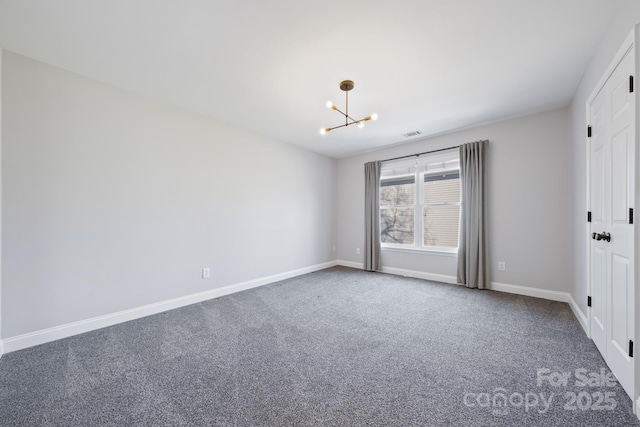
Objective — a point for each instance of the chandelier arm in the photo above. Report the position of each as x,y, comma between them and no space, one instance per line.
348,124
364,119
337,127
353,121
339,111
346,115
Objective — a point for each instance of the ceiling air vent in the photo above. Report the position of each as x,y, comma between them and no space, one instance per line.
412,134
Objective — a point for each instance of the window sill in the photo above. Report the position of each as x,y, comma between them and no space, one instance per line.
453,253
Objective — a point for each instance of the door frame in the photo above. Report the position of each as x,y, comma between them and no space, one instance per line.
630,43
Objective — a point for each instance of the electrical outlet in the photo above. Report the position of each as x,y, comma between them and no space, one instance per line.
206,272
502,266
357,251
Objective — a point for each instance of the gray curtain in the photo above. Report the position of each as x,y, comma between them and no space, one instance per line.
372,216
473,254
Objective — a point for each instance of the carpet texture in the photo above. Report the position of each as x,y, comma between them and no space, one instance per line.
338,347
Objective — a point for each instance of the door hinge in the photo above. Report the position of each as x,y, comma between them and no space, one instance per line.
631,84
630,348
589,216
588,301
588,131
630,215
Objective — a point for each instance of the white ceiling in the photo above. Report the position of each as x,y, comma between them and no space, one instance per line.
270,66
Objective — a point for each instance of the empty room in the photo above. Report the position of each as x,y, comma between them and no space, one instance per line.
244,213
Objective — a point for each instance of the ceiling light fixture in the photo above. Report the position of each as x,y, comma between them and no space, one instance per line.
346,86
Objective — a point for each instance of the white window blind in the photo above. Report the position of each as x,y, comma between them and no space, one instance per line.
437,162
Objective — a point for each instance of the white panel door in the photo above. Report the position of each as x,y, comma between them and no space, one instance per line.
611,181
598,250
621,296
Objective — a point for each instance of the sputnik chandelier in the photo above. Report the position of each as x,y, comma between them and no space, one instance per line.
346,86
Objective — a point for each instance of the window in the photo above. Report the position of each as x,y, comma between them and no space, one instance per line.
420,203
441,209
397,209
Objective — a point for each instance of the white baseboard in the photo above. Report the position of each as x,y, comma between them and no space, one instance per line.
579,315
402,272
358,265
63,331
530,292
638,408
495,286
420,275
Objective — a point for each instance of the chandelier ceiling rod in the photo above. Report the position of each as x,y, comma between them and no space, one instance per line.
346,86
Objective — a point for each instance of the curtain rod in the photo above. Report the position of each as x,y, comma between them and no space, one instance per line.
419,154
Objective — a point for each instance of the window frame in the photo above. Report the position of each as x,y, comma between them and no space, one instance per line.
430,166
412,206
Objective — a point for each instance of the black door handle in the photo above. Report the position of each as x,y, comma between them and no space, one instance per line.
601,236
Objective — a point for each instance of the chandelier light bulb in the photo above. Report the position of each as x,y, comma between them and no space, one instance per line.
361,124
323,131
374,116
329,104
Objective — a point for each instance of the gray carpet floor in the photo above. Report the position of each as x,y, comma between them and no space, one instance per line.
338,347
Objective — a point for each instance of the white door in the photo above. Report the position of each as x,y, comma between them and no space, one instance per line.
598,248
611,176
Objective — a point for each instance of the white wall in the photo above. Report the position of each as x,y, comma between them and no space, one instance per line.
113,201
619,28
528,201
